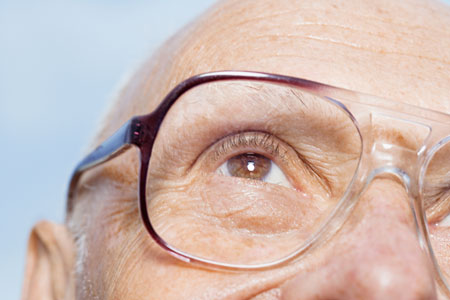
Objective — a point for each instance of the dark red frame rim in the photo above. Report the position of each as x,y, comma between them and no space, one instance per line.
141,132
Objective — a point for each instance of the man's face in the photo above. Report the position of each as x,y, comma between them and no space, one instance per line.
395,50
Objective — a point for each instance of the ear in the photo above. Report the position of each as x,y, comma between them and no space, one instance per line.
49,271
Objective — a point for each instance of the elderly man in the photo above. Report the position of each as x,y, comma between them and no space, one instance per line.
264,186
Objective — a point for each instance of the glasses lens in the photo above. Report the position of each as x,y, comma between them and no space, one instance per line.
436,197
246,172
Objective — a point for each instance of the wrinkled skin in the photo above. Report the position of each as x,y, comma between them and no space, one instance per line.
393,49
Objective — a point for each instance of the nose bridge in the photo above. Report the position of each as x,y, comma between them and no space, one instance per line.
396,146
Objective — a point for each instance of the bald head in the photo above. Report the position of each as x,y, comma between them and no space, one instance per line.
393,49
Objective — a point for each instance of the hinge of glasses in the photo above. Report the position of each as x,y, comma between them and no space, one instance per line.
143,129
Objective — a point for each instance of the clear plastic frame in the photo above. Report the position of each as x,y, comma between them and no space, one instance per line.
381,137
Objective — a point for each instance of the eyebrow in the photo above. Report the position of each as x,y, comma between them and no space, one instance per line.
214,101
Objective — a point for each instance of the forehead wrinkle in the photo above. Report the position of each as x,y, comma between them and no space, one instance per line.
325,24
342,66
225,39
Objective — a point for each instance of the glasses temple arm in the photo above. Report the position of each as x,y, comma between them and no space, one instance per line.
115,145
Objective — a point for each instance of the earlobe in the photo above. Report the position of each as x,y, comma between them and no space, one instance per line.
49,263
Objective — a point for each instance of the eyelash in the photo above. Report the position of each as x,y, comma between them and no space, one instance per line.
232,145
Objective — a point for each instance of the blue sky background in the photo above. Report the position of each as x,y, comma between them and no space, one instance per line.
60,62
58,58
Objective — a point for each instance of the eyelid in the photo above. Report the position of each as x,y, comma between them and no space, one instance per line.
266,143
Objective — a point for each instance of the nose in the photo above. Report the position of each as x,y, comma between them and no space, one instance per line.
375,255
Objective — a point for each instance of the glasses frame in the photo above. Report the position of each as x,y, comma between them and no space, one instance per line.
141,132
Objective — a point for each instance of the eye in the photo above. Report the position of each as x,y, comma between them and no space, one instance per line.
254,166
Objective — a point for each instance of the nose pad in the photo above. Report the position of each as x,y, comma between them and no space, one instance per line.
392,173
396,145
395,162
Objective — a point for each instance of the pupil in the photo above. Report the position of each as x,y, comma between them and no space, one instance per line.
249,165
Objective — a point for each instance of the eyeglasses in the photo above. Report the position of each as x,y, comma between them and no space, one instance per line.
245,170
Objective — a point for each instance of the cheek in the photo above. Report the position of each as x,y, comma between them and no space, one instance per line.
440,240
128,264
235,220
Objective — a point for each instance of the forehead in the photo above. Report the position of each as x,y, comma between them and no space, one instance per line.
392,49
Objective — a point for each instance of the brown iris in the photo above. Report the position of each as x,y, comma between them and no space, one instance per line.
249,165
